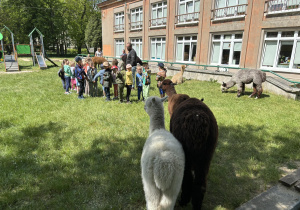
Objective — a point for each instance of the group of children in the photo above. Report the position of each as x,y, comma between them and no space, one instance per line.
84,76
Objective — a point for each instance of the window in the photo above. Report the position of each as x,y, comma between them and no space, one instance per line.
136,18
276,6
226,49
188,11
230,8
119,47
159,14
186,48
137,45
158,48
281,50
119,21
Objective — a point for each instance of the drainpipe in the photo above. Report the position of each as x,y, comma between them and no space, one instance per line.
125,16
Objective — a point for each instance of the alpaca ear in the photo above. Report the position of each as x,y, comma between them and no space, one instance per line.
153,100
164,98
224,84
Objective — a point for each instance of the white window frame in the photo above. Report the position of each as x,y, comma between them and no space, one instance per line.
184,41
137,41
181,19
120,16
119,42
154,40
232,12
155,7
279,39
134,12
222,40
283,4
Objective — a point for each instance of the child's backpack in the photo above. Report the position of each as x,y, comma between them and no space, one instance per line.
106,76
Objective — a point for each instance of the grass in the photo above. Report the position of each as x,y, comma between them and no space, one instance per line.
58,152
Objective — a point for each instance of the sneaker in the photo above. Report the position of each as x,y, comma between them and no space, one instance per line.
115,98
107,99
80,97
67,93
128,102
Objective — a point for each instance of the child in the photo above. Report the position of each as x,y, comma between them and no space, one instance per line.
88,61
68,75
139,81
91,73
107,80
128,82
61,74
146,81
120,82
114,74
100,74
160,76
80,75
73,80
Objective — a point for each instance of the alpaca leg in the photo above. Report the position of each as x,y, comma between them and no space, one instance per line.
243,89
187,185
152,194
254,91
199,187
240,89
259,91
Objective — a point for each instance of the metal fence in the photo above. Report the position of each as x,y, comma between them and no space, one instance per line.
229,12
282,5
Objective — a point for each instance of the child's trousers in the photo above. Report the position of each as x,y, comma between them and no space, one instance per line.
120,92
146,91
140,91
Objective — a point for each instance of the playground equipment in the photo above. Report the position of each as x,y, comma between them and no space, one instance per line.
10,61
40,58
1,53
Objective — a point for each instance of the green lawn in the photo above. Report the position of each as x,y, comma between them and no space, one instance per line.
58,152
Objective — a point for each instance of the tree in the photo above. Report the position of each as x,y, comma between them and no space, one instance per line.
93,32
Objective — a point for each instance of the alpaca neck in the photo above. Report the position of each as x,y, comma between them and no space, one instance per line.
230,84
157,122
171,91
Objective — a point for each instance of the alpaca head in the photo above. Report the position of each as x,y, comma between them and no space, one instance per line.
154,106
167,84
224,87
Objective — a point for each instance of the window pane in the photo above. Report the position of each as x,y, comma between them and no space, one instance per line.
216,52
238,46
272,34
270,52
225,56
226,45
154,14
182,9
237,53
159,13
197,6
216,37
243,1
180,38
153,51
220,3
163,51
165,12
158,51
186,52
227,36
194,38
285,54
194,47
297,54
239,36
287,34
179,51
231,3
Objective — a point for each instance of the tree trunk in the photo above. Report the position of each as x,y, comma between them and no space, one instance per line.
79,49
57,48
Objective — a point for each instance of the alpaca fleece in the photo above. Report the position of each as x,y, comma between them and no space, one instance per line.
195,126
246,76
178,78
98,60
162,161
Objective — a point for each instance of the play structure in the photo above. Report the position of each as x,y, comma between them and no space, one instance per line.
11,59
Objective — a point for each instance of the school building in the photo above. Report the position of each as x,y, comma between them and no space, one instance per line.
261,34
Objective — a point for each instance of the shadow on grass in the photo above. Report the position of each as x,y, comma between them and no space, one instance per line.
246,162
106,174
41,174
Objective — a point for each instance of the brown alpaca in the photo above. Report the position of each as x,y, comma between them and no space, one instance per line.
178,78
98,60
196,128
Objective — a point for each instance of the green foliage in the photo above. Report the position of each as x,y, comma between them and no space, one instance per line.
93,33
62,22
58,152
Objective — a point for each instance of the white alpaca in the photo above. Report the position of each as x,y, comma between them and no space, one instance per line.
162,160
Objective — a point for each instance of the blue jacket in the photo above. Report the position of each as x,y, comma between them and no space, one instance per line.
139,80
79,72
100,74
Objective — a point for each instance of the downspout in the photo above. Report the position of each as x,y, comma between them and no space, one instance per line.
167,38
144,14
201,35
248,35
125,15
